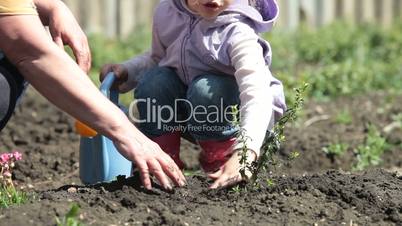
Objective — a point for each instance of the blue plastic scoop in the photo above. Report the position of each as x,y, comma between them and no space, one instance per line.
99,159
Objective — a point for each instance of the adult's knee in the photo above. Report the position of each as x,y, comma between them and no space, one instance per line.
5,91
9,93
11,88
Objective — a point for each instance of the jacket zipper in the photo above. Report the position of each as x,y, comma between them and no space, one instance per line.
183,49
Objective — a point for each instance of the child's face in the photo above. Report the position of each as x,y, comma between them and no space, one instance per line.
208,8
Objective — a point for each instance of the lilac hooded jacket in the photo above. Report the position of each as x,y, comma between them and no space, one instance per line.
194,46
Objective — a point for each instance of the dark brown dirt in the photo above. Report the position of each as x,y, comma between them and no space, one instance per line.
306,192
334,198
47,140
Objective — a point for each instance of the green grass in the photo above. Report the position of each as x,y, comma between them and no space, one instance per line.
9,196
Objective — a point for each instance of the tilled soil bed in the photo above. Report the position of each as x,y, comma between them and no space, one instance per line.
314,189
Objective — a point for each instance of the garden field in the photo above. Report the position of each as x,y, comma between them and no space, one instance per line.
347,169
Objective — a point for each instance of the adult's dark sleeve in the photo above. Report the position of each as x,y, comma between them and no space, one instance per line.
11,88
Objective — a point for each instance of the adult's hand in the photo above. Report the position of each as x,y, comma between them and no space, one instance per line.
65,30
229,174
150,160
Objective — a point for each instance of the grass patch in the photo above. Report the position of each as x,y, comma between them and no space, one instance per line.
10,196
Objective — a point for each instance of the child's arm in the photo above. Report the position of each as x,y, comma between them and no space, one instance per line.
253,78
136,67
129,72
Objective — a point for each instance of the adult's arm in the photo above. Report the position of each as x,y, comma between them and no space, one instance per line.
57,77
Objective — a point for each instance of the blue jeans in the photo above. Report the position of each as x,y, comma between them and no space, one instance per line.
201,110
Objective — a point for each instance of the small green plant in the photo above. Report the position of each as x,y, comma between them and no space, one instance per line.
9,195
294,155
343,117
271,144
337,149
369,153
270,182
71,218
236,189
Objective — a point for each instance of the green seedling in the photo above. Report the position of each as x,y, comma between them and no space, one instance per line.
343,117
272,142
337,149
270,182
236,189
369,153
294,155
71,218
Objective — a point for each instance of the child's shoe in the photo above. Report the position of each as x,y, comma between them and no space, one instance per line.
170,144
214,154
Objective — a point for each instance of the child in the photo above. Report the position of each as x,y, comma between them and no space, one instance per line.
206,56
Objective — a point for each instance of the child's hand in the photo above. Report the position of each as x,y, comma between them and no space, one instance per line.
119,70
229,174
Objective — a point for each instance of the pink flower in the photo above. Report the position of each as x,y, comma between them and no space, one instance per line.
4,158
17,155
7,174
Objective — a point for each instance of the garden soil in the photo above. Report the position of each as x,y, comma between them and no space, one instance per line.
315,189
